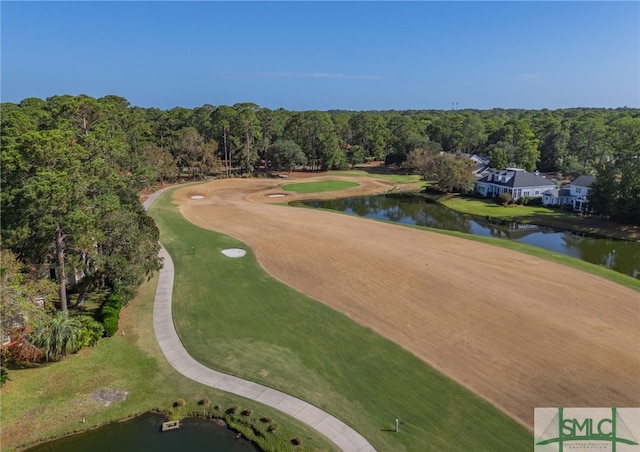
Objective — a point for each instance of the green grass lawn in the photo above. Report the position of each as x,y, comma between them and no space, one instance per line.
48,401
394,178
483,207
317,187
540,215
234,317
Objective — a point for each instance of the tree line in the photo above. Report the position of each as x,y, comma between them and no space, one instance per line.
73,166
70,210
242,138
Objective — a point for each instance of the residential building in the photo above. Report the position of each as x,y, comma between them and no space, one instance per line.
580,189
557,197
574,194
515,181
482,163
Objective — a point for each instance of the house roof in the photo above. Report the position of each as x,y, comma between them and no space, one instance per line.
516,179
558,192
584,181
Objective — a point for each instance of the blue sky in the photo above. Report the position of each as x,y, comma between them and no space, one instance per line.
326,55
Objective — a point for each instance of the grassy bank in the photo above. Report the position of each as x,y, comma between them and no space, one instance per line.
318,187
540,215
233,317
121,377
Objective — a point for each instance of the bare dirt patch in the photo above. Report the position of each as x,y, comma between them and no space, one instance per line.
519,331
108,396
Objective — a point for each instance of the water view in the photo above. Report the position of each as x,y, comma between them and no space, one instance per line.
619,255
143,433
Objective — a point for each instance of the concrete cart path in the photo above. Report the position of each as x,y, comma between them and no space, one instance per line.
337,431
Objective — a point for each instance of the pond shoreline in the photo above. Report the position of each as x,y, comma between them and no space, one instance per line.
166,416
594,227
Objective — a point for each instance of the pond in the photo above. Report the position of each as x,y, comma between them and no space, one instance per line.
619,255
143,433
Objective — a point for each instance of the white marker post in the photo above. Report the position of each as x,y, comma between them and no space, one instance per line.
397,424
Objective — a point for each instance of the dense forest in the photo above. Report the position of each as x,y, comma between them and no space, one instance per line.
73,166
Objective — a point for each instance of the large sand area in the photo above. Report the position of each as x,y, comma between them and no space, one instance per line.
519,331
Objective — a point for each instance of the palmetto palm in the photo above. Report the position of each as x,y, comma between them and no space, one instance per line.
59,337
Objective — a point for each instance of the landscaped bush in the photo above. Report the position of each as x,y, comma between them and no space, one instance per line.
4,376
91,331
533,202
58,337
115,301
110,314
505,198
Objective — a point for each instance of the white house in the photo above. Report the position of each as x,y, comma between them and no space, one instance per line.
574,194
580,189
557,197
515,181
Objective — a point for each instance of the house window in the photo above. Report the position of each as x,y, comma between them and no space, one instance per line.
578,190
537,192
526,193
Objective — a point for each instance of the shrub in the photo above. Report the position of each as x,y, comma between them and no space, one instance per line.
58,337
534,201
115,301
179,403
110,314
505,198
233,410
108,311
247,412
111,325
4,376
91,331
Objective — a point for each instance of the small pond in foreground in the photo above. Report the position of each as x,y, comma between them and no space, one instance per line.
143,434
619,255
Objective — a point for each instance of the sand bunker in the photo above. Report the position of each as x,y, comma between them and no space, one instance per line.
197,197
234,252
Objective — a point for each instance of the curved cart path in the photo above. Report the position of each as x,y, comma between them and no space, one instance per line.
337,431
